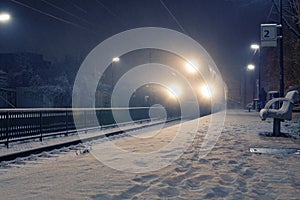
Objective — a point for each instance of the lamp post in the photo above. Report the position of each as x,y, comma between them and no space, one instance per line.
251,68
114,60
256,48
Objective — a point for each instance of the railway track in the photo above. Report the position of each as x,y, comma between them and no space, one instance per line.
37,150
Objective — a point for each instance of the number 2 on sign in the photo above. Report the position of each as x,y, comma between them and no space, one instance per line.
266,33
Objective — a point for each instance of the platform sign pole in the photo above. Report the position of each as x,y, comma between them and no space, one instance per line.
269,38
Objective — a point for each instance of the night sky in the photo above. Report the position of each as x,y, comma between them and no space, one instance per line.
225,28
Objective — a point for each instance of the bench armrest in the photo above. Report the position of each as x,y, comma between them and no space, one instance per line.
275,100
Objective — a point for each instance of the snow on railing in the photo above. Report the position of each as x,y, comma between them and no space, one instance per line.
37,123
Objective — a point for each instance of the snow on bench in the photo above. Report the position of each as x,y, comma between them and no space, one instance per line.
283,113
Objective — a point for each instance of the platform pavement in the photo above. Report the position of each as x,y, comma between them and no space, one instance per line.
35,145
229,171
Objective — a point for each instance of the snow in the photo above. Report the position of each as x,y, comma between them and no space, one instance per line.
229,171
53,140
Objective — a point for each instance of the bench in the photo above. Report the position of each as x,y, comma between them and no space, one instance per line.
283,113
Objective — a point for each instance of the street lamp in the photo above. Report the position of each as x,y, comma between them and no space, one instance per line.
250,67
114,60
256,47
4,17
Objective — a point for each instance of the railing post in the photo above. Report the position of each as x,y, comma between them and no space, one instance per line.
67,123
7,129
41,126
101,123
133,111
85,126
100,119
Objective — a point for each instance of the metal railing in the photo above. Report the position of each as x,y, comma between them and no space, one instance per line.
25,124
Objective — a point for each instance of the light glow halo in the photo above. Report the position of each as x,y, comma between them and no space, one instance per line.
100,58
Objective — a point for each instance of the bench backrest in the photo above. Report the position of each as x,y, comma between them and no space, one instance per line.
293,96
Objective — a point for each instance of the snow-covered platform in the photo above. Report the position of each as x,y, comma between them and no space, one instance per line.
228,171
57,141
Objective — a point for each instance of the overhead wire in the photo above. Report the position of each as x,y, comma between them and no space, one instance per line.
106,8
71,14
65,11
78,7
270,13
110,12
52,16
173,16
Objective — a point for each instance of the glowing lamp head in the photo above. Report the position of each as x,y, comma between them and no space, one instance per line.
250,67
254,46
4,17
116,59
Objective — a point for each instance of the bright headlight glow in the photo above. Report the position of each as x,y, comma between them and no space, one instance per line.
191,67
174,91
206,91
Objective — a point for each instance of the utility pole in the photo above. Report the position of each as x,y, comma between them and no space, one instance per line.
281,71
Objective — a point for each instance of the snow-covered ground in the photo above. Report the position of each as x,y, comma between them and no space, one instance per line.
53,140
229,171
